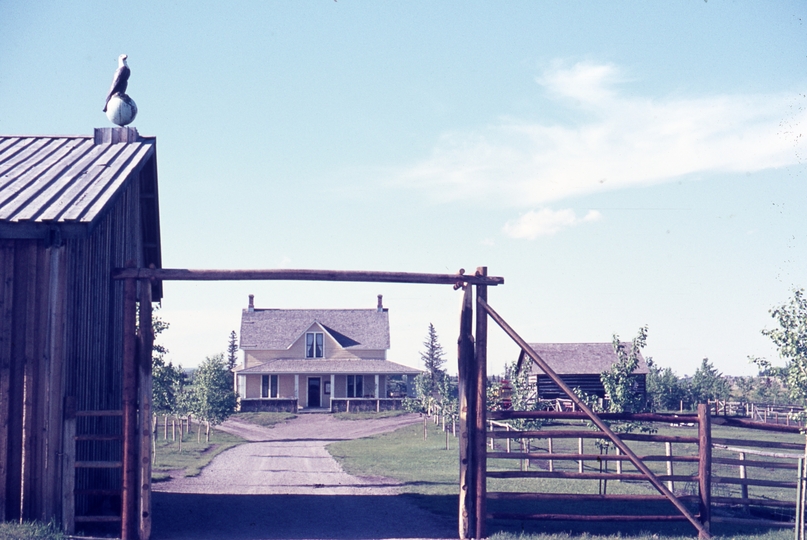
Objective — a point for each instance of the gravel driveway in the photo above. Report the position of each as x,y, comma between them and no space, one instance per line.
285,484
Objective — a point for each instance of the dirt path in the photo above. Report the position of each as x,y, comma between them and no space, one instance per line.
285,484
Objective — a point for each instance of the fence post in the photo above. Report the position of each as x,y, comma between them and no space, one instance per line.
551,461
705,467
618,462
668,451
480,406
743,476
508,439
799,498
580,451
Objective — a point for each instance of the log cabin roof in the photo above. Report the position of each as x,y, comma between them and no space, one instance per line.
366,366
278,329
580,358
66,183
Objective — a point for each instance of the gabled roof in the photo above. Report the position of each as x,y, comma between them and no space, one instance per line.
68,182
580,358
362,366
278,329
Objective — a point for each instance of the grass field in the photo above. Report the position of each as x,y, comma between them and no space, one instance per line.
265,419
368,415
29,531
429,476
194,456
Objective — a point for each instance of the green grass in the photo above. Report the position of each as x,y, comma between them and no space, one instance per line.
429,476
368,415
265,419
170,462
30,530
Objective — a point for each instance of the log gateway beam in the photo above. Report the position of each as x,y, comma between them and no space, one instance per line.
136,496
703,528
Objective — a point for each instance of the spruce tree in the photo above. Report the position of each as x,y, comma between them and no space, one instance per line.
232,351
432,357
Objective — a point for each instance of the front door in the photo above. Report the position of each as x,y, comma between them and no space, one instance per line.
313,391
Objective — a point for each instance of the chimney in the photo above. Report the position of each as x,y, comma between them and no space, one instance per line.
380,303
251,307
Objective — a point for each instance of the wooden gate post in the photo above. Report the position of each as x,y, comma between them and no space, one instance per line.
145,388
129,521
705,467
465,362
481,369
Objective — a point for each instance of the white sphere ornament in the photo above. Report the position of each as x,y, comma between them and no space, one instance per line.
121,110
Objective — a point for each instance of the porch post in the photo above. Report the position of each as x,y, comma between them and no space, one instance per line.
297,388
333,390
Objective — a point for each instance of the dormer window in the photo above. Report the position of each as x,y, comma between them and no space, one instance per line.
314,345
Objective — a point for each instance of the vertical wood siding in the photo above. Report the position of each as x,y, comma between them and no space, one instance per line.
61,336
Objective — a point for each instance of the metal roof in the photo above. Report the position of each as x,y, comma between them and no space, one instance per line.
66,181
580,358
278,329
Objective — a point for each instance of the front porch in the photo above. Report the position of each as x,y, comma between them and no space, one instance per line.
334,392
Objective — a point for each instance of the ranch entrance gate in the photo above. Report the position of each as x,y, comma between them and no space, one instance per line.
472,368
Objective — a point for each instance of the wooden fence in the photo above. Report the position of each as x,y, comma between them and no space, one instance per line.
702,471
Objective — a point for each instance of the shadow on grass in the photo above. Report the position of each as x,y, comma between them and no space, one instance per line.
179,516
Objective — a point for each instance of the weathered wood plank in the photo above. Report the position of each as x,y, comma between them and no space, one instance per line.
704,468
588,434
588,476
577,497
167,274
6,320
480,406
465,358
579,415
69,466
589,517
130,521
755,463
586,457
752,482
757,444
144,428
53,383
750,424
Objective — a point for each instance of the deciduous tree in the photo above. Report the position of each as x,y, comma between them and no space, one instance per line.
619,382
213,396
708,383
791,340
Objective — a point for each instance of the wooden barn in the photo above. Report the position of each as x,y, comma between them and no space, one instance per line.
579,366
72,209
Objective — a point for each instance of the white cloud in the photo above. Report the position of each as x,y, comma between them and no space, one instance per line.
623,140
545,222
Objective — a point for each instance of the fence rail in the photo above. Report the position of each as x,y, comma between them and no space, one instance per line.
727,473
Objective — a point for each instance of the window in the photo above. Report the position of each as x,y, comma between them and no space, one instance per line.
355,386
269,386
314,345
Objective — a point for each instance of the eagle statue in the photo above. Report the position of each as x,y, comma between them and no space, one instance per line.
119,107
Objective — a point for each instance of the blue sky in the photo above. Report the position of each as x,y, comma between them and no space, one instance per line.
619,164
